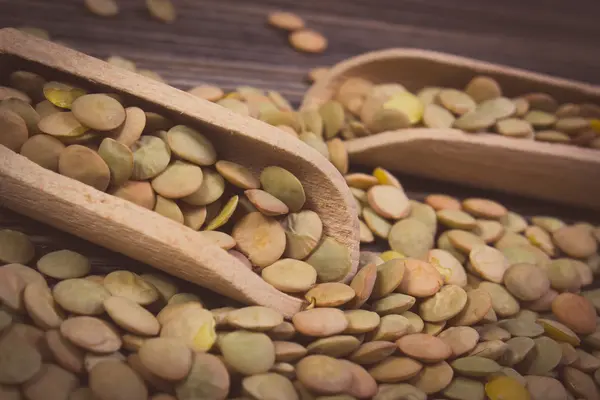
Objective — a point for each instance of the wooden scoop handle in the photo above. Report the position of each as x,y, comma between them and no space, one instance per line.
564,174
139,233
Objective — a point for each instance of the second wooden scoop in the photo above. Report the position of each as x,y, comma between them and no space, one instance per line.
142,234
549,171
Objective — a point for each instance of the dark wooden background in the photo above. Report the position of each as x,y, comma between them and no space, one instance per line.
227,42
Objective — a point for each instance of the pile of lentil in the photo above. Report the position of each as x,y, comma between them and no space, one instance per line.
173,169
471,300
457,299
480,106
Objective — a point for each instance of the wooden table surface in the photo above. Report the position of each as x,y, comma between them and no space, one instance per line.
227,42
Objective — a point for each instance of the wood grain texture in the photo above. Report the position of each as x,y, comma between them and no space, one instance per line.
549,171
229,44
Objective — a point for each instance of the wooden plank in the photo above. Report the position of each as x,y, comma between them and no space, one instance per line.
228,42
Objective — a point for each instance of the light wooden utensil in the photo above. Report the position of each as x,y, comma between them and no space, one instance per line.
549,171
142,234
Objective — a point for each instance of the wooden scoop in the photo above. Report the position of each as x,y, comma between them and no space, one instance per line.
549,171
142,234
